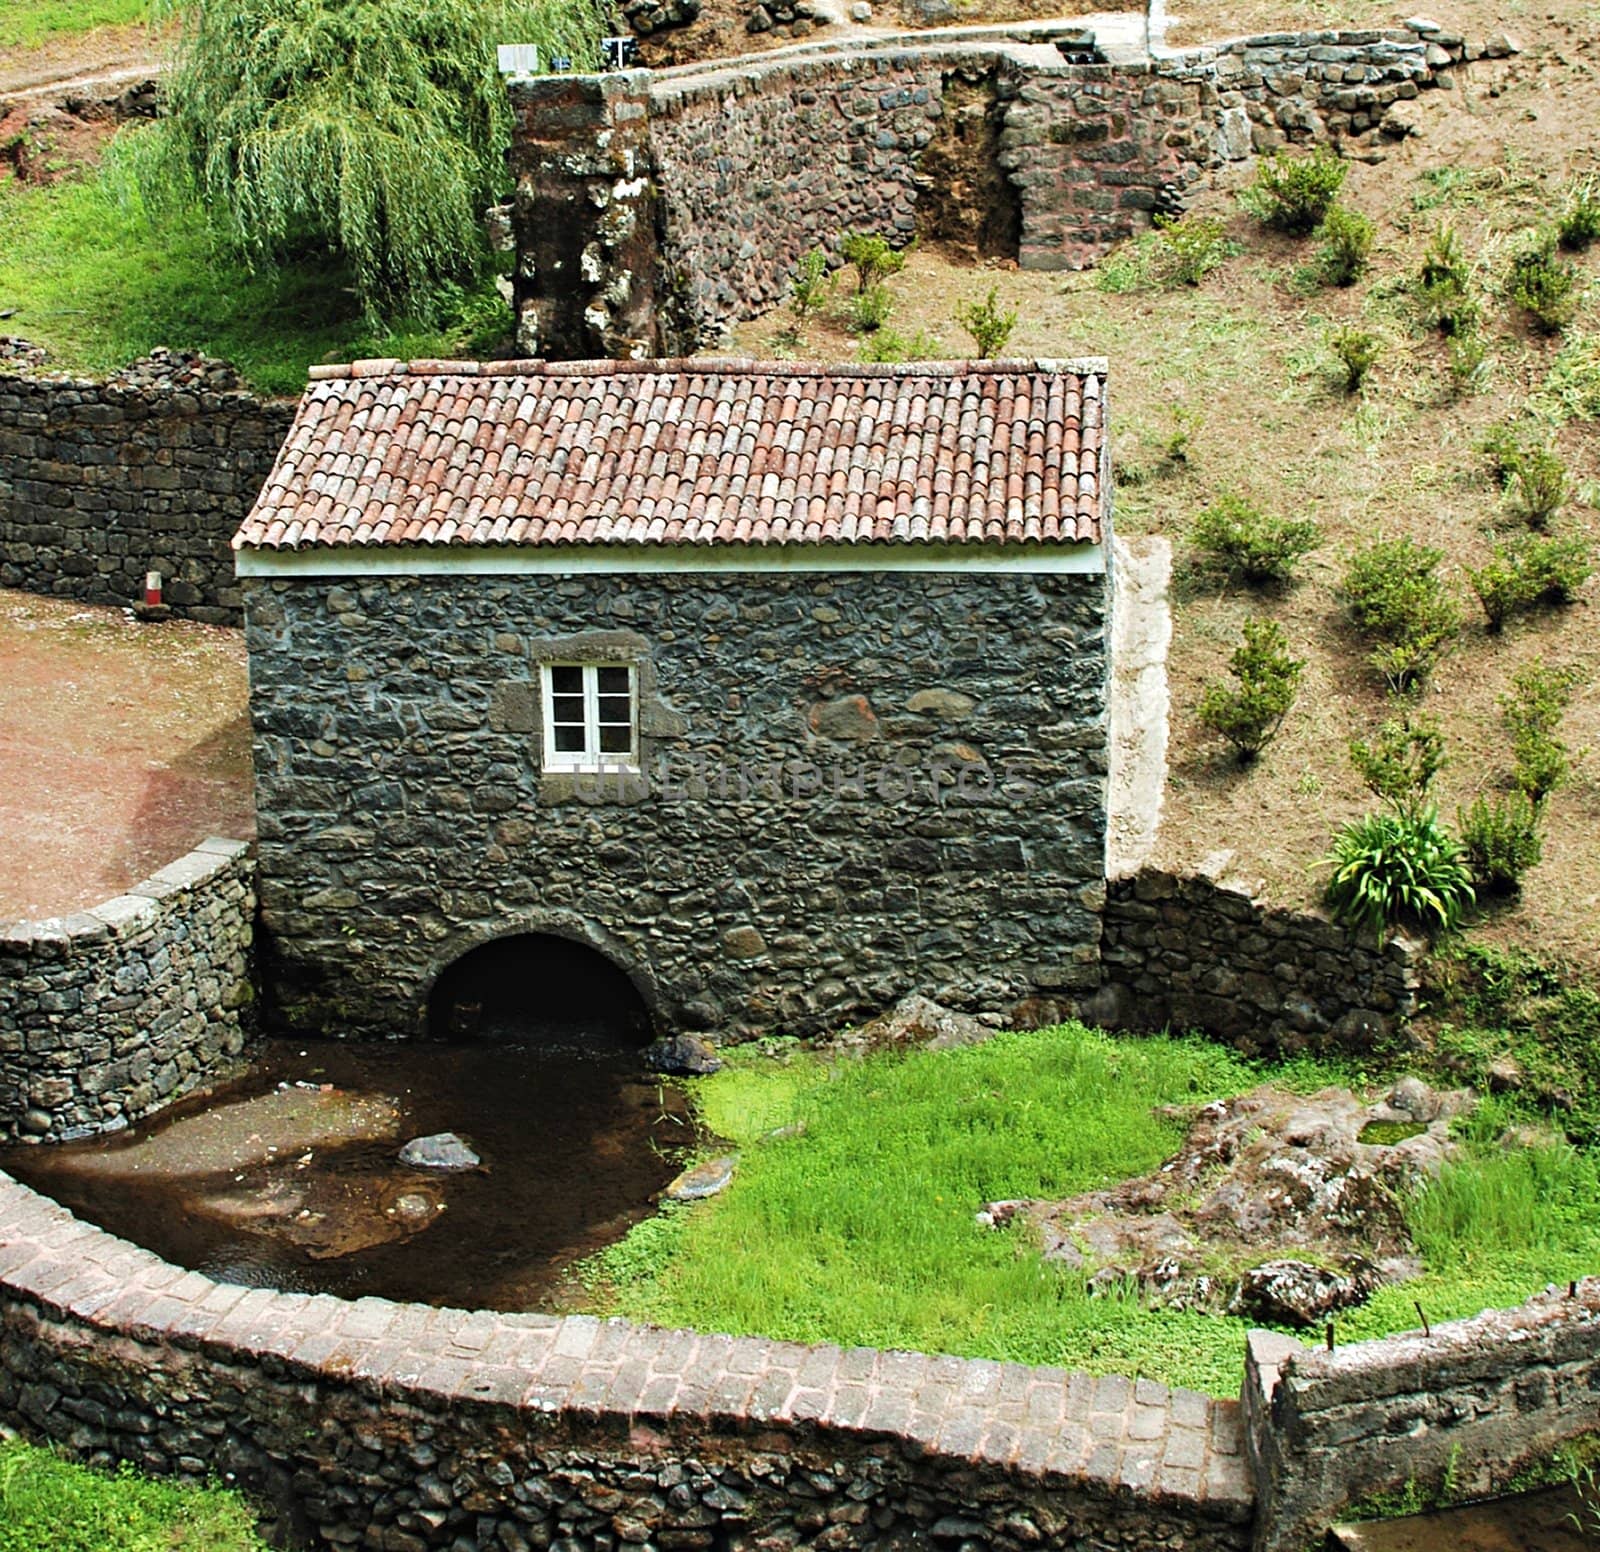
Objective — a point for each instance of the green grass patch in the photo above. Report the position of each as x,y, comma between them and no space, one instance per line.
48,1502
98,278
27,23
859,1229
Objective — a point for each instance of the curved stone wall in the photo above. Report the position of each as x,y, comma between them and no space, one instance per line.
107,1014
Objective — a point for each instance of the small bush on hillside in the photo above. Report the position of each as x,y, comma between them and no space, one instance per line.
1249,715
1501,841
988,323
809,285
1528,571
1189,248
1357,352
1346,238
1444,286
1393,595
869,310
1579,222
1240,539
870,255
1177,450
1538,484
1533,712
1400,763
1391,868
1468,355
886,344
1294,193
1544,285
1503,446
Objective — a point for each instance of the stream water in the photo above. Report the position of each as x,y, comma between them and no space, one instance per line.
290,1177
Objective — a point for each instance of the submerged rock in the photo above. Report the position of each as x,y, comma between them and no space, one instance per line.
443,1150
702,1180
685,1054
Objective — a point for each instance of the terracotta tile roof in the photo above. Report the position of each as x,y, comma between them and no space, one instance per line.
688,452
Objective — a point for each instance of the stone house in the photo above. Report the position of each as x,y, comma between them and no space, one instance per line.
750,697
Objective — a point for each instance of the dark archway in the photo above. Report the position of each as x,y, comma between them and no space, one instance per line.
541,987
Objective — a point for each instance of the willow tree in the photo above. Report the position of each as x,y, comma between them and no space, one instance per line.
374,130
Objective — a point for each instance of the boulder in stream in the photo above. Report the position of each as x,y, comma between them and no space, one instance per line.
443,1150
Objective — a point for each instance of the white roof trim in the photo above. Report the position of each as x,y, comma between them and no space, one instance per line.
653,559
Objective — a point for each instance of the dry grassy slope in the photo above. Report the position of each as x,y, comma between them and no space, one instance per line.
1245,355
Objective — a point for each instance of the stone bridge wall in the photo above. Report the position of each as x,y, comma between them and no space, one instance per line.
107,1014
1461,1410
101,482
654,210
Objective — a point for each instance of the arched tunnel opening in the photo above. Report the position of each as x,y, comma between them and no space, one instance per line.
539,987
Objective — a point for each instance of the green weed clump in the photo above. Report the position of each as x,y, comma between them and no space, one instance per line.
1357,352
809,285
1236,537
1544,285
1444,286
1502,839
1188,248
1345,239
1533,712
1578,225
1249,713
1295,193
1529,571
873,260
46,1501
886,344
869,310
1397,867
1400,763
1394,596
1539,484
989,324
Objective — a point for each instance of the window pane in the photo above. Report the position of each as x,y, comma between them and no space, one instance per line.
569,740
566,708
616,740
613,681
615,708
566,680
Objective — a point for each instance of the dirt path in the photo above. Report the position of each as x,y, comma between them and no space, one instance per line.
73,61
121,746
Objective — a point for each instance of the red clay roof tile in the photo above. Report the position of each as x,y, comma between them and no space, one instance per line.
688,452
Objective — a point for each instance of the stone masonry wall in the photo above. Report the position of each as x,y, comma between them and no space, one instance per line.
1204,952
1461,1409
701,187
108,1014
924,757
401,1428
100,483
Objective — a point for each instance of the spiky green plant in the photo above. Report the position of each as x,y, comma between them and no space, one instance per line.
373,130
1393,866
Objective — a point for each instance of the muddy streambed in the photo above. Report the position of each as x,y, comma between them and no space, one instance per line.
291,1178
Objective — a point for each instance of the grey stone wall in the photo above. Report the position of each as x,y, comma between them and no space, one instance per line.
1461,1409
699,188
101,482
108,1014
402,1428
1203,951
922,807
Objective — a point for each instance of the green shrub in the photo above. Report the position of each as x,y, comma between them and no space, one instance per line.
1533,712
1538,484
1188,248
1400,763
988,323
1501,841
1393,595
1528,571
873,260
1294,193
1356,351
1250,715
1544,285
1346,238
886,344
1467,354
1391,868
1579,222
1243,541
1504,447
1444,285
809,284
869,310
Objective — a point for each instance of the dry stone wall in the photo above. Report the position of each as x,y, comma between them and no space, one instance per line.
107,1014
699,188
101,482
1460,1409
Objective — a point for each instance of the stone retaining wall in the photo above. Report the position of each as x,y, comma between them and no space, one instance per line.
1204,951
401,1428
654,210
101,482
1460,1411
107,1014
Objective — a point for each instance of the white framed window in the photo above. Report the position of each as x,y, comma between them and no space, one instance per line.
591,717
